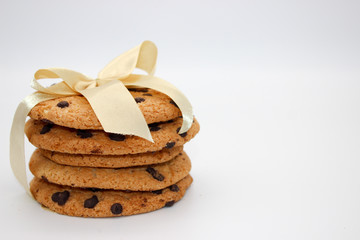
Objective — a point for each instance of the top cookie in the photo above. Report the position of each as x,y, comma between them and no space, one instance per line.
76,112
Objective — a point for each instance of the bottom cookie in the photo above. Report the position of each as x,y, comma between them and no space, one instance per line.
85,202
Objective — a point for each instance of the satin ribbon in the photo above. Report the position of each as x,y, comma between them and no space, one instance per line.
108,96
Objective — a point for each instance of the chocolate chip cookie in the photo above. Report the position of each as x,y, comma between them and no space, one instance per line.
143,178
112,161
68,140
76,112
104,203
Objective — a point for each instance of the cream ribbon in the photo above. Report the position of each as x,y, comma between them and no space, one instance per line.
108,96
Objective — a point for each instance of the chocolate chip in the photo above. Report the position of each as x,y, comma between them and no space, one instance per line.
157,192
181,134
116,137
147,94
46,128
60,197
173,103
84,134
47,121
154,129
174,188
116,208
153,124
138,89
170,145
91,202
155,174
139,99
170,203
63,104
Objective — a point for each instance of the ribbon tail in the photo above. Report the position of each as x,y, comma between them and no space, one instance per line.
167,88
17,149
124,117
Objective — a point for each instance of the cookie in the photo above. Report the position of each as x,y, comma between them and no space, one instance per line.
145,178
67,140
76,112
104,203
112,161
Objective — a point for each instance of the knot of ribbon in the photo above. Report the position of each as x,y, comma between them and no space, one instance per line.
108,96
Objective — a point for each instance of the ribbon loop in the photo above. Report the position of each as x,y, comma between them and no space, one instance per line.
143,57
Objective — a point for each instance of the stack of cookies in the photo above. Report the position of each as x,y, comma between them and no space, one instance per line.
80,170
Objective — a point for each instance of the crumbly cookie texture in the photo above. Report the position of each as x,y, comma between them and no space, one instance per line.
76,112
104,203
112,161
145,178
67,140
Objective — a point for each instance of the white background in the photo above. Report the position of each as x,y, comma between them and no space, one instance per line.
274,84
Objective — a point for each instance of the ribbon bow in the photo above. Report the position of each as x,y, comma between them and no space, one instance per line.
108,96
